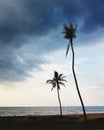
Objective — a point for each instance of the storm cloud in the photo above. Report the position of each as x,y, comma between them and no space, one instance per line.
24,23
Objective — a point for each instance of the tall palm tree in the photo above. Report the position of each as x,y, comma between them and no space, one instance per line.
57,80
69,33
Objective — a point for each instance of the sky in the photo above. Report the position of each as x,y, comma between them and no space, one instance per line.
32,47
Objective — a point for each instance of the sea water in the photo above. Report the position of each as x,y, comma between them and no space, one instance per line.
36,111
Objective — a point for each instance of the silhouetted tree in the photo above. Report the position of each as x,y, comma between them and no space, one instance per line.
69,31
57,80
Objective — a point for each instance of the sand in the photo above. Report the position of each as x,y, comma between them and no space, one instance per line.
53,122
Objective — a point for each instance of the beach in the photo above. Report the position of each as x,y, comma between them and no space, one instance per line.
53,122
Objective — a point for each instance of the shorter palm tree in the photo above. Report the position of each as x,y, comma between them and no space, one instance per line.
57,80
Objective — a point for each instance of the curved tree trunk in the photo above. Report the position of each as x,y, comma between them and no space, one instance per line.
76,82
59,101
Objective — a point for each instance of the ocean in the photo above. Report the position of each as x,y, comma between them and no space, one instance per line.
36,111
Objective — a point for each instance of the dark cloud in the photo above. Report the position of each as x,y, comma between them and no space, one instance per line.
94,16
15,64
22,19
37,17
33,17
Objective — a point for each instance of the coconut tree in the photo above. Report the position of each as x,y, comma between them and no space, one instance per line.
57,80
69,34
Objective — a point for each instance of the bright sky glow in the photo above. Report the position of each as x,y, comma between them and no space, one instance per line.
34,91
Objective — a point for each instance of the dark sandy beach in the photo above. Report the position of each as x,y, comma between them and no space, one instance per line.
55,122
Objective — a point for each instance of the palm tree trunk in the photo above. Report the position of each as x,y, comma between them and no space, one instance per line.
85,117
59,101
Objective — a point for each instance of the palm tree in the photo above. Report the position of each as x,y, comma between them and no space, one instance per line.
69,31
57,80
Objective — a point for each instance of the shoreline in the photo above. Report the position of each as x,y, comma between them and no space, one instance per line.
89,115
53,122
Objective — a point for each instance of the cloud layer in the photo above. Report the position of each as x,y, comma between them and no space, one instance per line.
26,29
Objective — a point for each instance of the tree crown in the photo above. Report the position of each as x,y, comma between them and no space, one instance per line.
57,80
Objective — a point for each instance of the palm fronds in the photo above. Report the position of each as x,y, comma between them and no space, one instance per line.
67,50
57,80
69,31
